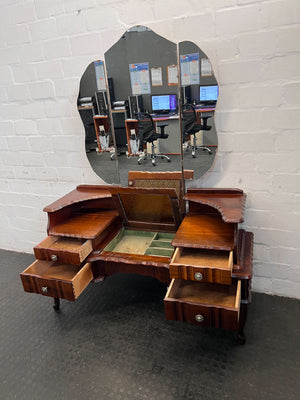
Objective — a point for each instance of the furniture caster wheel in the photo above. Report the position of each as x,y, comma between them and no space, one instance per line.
194,155
153,163
139,163
56,305
169,160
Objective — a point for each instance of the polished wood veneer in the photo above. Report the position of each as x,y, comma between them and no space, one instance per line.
85,225
56,280
230,203
205,265
96,231
62,249
204,304
205,232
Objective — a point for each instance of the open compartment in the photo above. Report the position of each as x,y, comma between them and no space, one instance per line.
85,225
57,280
214,266
130,241
204,303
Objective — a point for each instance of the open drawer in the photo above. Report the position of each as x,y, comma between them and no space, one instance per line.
204,303
62,281
63,249
214,266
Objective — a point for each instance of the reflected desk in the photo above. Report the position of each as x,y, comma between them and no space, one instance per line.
101,122
96,231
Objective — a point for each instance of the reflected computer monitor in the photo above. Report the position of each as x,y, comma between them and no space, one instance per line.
164,103
209,94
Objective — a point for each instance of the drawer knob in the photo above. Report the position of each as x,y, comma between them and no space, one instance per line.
198,276
44,289
199,318
54,257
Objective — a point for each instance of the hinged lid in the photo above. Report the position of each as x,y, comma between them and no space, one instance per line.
156,209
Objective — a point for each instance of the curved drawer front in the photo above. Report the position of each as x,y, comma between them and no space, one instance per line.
56,280
204,304
63,250
202,265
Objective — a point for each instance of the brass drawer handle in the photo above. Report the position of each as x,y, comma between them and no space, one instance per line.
199,318
54,257
198,276
44,289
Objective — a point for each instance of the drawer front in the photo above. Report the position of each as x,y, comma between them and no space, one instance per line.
202,265
63,250
192,273
56,280
201,315
197,312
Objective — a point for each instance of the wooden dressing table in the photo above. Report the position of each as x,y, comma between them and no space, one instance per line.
96,231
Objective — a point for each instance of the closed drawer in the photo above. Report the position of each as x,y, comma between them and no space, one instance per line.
203,303
214,266
63,249
63,281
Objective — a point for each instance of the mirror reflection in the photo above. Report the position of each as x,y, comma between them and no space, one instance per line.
199,94
142,71
134,115
92,105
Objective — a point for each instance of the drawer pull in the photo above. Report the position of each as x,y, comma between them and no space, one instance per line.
44,289
198,276
54,257
199,318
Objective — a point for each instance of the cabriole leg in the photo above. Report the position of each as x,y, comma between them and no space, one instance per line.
56,303
242,321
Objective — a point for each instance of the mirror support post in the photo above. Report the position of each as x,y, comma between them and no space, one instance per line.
115,157
180,116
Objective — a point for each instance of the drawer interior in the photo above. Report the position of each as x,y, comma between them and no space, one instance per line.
56,280
62,243
227,296
142,242
203,258
63,249
44,269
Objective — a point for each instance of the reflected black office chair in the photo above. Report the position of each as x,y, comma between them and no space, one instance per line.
190,127
147,134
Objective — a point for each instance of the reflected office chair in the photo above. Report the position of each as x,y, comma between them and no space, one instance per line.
147,134
190,127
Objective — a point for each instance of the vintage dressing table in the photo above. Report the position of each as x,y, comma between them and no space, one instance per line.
96,231
145,222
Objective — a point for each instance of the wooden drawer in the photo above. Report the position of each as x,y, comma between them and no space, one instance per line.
63,281
214,266
204,303
63,249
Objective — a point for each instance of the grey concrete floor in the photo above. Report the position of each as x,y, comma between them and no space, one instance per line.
114,343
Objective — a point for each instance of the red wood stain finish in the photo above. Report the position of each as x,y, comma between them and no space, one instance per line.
229,202
204,232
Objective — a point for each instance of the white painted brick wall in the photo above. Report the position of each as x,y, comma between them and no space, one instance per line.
45,46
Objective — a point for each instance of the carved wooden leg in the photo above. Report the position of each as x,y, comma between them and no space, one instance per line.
242,321
56,304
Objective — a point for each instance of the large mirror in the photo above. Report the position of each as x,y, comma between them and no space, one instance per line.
142,67
152,105
94,111
199,94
